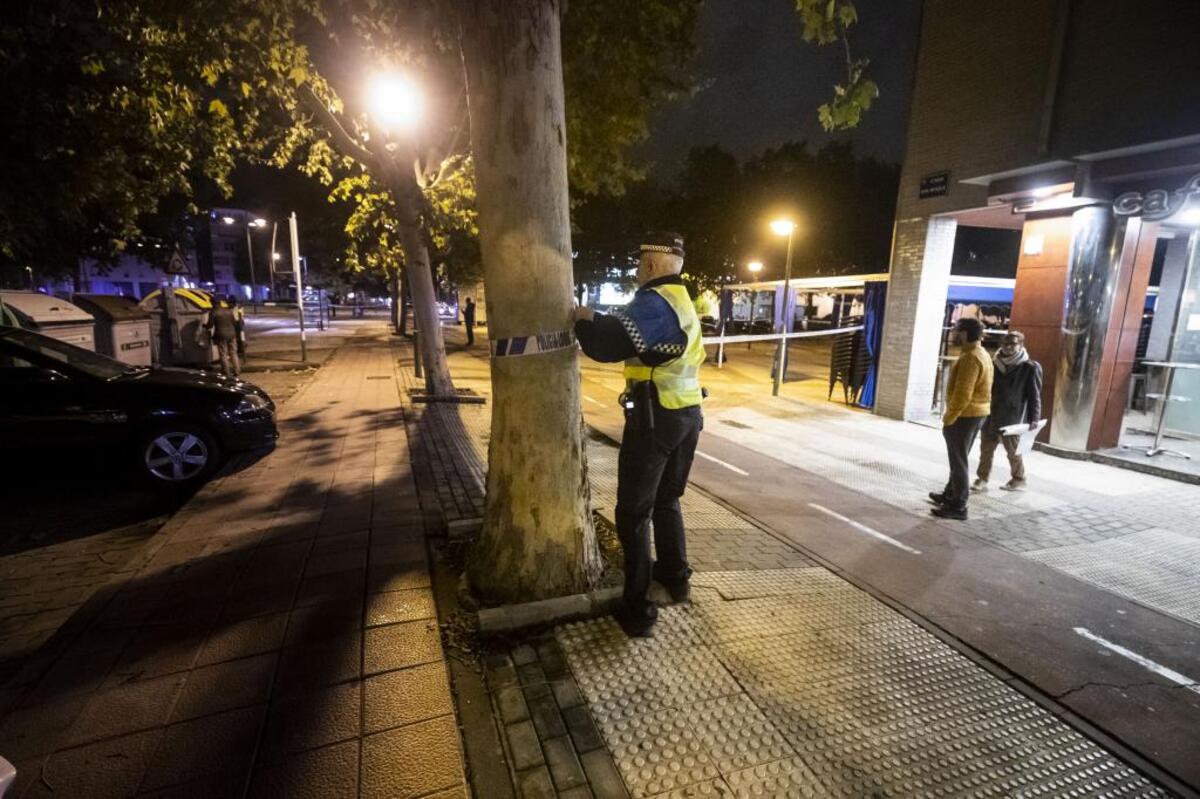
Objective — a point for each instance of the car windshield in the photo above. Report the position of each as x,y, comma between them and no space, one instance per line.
86,361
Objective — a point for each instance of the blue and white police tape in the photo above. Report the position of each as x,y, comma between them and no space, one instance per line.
532,345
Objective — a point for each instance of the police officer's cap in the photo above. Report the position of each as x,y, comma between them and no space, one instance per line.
662,241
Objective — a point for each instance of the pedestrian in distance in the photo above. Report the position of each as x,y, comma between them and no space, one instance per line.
658,337
223,327
968,403
1016,399
469,320
239,313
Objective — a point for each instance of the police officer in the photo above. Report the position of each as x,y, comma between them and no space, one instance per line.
657,335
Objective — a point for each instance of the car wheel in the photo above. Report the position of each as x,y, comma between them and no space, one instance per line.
177,455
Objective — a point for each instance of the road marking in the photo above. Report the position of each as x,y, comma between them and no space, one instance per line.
1141,660
720,462
595,401
862,528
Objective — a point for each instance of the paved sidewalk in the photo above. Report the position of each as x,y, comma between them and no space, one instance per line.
782,679
280,639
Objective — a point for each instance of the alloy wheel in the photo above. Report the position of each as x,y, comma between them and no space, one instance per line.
176,457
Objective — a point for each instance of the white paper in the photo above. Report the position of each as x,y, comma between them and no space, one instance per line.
1028,436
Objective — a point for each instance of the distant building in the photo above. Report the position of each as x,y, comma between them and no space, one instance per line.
1075,124
221,241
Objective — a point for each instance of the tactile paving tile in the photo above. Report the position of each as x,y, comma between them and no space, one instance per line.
736,734
1154,567
822,692
767,582
658,752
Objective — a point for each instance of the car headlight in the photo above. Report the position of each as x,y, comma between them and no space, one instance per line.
251,403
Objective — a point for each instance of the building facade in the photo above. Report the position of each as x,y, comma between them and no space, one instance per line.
1076,122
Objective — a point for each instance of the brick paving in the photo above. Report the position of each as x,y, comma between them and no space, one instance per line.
277,638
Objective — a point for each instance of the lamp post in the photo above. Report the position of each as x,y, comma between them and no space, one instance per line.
258,223
295,241
783,227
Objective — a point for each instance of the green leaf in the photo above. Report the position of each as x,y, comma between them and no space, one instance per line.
218,109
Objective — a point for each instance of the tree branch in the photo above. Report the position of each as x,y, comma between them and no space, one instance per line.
348,144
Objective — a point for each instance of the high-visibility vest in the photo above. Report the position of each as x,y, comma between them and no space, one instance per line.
677,380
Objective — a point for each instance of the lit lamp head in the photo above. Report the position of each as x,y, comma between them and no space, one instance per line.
260,222
229,220
755,267
659,255
782,227
395,103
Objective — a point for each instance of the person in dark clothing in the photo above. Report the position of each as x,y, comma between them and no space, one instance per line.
968,402
223,327
469,320
658,337
239,314
1016,399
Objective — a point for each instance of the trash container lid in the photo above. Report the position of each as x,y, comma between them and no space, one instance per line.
197,297
112,306
43,309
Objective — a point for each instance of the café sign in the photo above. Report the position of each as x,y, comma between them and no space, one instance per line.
1156,203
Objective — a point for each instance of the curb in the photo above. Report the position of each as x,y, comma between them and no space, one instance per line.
511,618
1119,463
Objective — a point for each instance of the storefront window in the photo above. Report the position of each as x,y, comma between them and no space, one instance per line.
1183,414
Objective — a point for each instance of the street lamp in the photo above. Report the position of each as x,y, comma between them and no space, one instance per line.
394,101
755,267
258,222
783,227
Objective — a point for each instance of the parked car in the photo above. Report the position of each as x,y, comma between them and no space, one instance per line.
173,425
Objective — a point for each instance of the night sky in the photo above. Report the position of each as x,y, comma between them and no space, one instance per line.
759,84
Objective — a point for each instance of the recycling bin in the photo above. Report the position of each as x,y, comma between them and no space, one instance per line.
178,330
49,316
122,327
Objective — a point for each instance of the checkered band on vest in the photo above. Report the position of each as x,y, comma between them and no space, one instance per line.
631,328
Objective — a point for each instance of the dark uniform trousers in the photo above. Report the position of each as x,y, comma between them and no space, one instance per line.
652,473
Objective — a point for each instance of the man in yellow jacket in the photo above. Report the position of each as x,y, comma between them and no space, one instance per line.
968,403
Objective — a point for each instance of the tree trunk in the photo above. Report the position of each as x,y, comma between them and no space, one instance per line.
537,539
403,186
402,300
393,280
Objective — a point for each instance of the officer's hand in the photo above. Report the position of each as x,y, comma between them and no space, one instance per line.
583,313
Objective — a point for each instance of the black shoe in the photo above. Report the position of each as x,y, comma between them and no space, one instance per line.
937,498
946,512
637,624
679,588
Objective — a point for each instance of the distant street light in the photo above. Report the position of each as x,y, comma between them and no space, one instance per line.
755,267
229,220
783,227
395,102
260,222
275,256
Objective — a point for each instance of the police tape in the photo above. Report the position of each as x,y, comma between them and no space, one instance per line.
532,345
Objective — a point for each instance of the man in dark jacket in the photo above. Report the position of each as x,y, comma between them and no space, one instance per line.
1016,399
469,320
224,326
